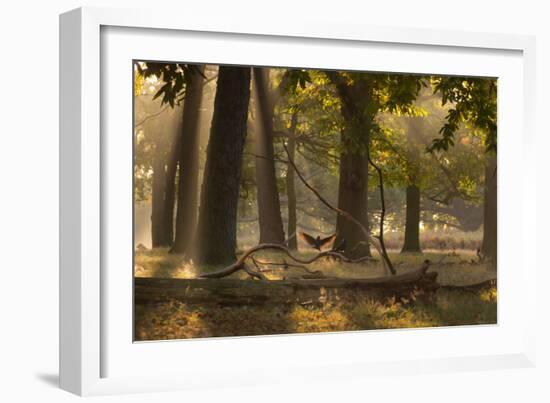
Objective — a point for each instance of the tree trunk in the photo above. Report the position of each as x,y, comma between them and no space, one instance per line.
353,182
412,223
489,244
170,190
188,172
352,198
412,216
291,188
217,229
269,207
157,199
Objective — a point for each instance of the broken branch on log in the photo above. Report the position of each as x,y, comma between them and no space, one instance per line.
239,264
284,265
254,274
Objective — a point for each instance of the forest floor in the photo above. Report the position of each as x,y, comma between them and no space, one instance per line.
172,319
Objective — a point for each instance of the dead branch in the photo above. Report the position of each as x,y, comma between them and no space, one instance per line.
154,115
240,263
382,213
254,274
284,265
368,237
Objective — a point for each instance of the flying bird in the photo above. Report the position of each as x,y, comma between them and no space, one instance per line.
318,242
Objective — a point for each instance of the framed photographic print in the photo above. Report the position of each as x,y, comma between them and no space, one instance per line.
238,197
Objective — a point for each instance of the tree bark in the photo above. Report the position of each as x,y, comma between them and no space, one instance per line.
352,198
170,190
157,199
188,171
291,291
269,207
489,244
412,221
217,226
412,215
353,182
291,188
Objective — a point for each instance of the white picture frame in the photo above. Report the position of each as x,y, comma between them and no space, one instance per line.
90,320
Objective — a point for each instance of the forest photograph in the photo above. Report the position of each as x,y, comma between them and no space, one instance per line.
271,200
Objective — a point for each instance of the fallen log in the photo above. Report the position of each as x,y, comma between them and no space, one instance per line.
290,291
472,288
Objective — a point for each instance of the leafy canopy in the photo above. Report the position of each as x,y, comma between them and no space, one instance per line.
474,101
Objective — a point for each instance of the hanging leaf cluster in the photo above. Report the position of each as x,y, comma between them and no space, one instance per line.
473,100
174,76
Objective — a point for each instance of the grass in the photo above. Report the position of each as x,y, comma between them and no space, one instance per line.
173,319
177,320
456,268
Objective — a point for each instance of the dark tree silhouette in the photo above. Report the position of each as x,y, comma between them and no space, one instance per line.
157,200
188,172
217,225
489,244
412,220
291,187
269,207
177,79
353,183
412,215
474,100
170,191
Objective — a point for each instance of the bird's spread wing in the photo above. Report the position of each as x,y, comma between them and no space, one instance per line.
308,239
327,240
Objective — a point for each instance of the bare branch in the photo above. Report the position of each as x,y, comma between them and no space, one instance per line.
284,265
254,274
240,263
154,115
382,214
368,237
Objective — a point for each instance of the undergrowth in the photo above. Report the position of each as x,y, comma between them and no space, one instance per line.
177,320
173,319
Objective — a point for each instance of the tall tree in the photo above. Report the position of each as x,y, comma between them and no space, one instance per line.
176,78
489,244
217,225
188,172
412,208
157,198
290,186
474,101
412,220
170,190
353,182
352,198
269,206
362,98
